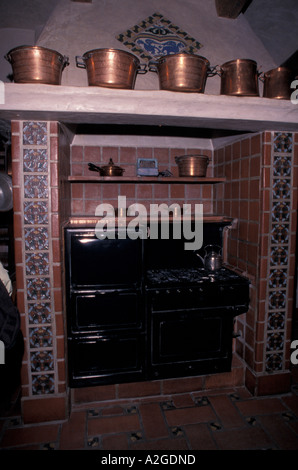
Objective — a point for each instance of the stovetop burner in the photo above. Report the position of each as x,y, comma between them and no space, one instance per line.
186,276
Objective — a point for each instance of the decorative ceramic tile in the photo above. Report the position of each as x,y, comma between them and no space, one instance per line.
36,238
278,278
40,337
277,300
37,264
35,160
281,189
41,361
279,256
36,212
275,341
38,289
34,133
157,36
281,211
43,384
280,234
36,186
274,362
283,142
282,166
39,313
276,320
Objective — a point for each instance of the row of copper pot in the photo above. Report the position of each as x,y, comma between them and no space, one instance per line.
115,68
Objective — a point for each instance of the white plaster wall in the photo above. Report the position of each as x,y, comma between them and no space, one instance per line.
75,28
10,38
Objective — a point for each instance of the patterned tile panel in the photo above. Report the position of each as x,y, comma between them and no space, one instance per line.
279,248
157,36
37,272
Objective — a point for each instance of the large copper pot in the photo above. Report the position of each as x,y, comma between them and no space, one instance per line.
111,68
35,64
181,72
239,78
192,165
277,83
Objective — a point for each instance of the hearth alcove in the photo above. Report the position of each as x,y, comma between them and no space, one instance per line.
253,146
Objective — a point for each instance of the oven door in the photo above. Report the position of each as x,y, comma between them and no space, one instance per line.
94,262
191,342
105,310
97,360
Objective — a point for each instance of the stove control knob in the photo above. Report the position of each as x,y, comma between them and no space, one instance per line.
178,291
190,290
157,292
167,291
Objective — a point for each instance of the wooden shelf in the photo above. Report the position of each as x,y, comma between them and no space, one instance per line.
145,179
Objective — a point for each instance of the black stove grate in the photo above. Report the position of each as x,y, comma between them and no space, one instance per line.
186,276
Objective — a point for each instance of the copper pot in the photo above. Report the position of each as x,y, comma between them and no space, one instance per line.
192,165
35,64
181,72
239,78
111,68
277,83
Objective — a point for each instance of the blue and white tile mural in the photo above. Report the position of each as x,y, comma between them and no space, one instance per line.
157,36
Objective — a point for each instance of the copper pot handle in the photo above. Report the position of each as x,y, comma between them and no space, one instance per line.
152,66
142,69
79,64
64,61
212,71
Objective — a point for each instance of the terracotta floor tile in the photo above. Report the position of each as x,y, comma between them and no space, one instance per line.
199,437
226,411
249,438
73,432
260,406
153,421
30,435
113,424
192,415
281,433
115,442
292,403
161,444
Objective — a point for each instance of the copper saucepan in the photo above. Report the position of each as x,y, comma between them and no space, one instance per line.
107,170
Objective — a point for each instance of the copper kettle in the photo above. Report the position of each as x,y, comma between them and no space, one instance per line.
212,260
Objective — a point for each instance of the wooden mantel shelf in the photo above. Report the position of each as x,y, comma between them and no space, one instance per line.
145,179
96,105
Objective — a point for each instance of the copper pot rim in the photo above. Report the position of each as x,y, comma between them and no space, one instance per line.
109,49
183,54
193,155
277,69
239,61
30,48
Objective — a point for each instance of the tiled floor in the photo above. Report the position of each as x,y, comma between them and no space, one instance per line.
229,419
